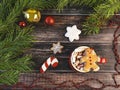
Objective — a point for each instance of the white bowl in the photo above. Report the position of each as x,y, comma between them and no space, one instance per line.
80,49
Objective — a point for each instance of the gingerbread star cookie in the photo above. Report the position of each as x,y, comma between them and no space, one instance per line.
57,48
72,33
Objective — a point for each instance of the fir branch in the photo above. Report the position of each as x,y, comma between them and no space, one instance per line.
92,24
62,4
10,13
9,77
90,3
108,9
11,69
41,4
103,11
102,14
10,50
14,41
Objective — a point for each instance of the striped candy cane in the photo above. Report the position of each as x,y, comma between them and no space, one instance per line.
50,61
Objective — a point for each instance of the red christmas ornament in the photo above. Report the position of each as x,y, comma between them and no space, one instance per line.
22,24
49,20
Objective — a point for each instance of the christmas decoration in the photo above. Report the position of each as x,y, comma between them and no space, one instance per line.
72,33
50,61
57,48
84,58
14,41
101,12
76,85
49,20
32,15
22,24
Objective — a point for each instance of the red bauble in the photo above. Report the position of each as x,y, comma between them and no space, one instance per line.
22,24
49,20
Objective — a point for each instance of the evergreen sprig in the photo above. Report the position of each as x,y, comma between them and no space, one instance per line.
90,3
102,14
14,40
103,10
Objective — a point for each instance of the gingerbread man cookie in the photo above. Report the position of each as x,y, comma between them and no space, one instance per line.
90,59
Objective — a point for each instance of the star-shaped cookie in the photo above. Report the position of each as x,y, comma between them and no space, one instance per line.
57,48
72,33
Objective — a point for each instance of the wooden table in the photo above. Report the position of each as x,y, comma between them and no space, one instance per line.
63,77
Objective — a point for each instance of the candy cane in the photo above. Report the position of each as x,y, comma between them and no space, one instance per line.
50,61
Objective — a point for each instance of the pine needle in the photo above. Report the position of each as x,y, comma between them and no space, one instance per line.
14,40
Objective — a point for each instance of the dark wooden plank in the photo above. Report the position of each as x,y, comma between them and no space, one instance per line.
67,80
45,33
67,11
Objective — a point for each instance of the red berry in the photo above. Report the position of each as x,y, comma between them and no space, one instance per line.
22,24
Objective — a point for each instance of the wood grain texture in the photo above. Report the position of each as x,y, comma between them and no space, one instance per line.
46,35
68,79
56,32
